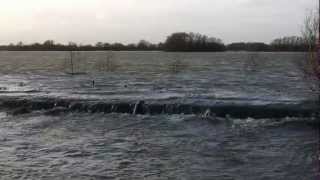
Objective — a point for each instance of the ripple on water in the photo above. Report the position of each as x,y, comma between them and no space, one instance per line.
98,146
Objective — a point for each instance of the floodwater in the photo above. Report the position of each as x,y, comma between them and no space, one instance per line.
57,141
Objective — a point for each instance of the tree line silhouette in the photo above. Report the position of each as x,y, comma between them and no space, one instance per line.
50,45
180,41
192,42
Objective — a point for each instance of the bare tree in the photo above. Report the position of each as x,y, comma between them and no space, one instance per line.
310,33
311,66
310,29
177,64
75,63
252,62
72,55
107,64
110,65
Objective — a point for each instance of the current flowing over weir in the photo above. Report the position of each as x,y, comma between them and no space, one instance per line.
236,84
56,106
232,115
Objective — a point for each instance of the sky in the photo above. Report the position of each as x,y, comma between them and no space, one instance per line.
128,21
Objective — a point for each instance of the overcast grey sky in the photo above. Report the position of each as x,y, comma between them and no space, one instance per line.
128,21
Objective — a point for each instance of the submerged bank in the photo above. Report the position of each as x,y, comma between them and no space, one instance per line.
212,108
240,85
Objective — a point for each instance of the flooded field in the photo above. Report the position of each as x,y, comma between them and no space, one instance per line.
156,115
156,75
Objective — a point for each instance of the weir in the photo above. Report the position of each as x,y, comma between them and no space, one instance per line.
54,106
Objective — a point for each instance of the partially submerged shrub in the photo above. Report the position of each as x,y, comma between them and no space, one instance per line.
177,65
311,65
310,72
107,64
75,63
251,64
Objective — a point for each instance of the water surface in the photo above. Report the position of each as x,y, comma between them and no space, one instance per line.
65,142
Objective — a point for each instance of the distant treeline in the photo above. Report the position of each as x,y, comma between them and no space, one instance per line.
193,42
292,43
181,41
50,45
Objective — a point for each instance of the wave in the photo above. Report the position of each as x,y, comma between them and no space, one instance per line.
56,106
19,92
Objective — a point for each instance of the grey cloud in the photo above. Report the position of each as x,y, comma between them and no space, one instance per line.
128,21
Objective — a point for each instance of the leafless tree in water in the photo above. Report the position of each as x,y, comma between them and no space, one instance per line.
68,63
75,63
177,65
310,66
107,64
252,63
